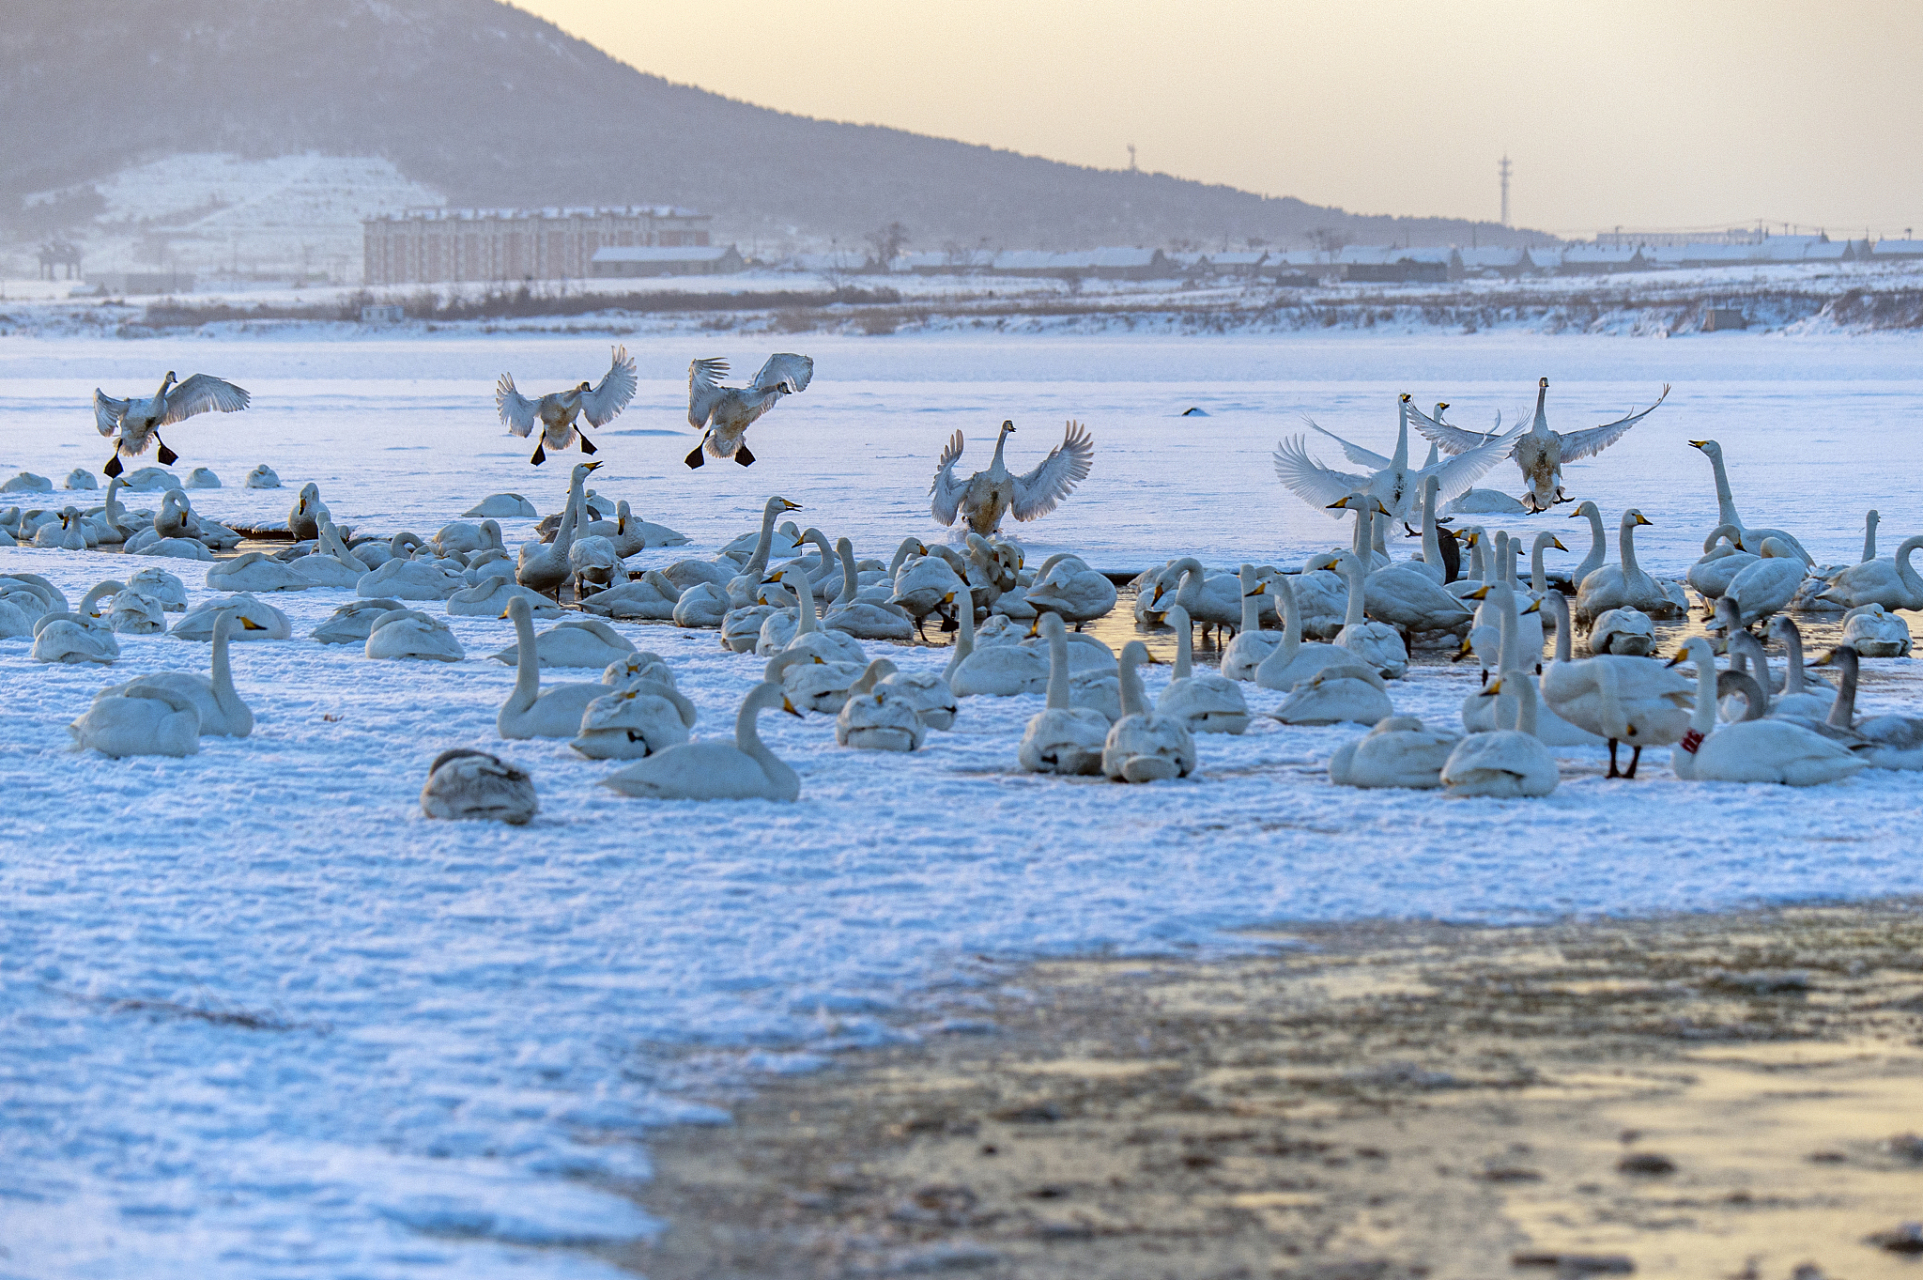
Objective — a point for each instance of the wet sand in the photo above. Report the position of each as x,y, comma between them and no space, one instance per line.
1703,1096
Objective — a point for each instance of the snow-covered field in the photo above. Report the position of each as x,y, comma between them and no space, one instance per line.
263,1019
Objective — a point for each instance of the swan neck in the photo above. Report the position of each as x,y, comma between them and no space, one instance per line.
1912,581
1525,705
1185,648
1001,442
527,662
765,541
1725,501
1538,576
964,638
220,670
1843,710
1559,609
1793,651
901,553
1400,462
850,580
1703,719
1057,669
1628,540
1431,540
1541,425
1352,616
804,604
1507,624
564,536
1133,702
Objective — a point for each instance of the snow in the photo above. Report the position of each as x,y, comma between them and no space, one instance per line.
263,1018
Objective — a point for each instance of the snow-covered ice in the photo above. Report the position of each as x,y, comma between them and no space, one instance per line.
263,1019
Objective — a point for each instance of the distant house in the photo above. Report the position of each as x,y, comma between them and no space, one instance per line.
697,260
1240,263
959,262
432,246
1091,264
1896,249
1390,265
1496,260
1601,259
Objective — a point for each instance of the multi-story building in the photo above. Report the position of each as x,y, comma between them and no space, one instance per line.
445,246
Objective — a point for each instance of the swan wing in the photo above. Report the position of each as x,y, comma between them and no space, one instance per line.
1066,466
611,395
704,389
1309,480
516,410
1353,452
945,488
200,394
787,371
1451,440
1587,444
107,412
1455,476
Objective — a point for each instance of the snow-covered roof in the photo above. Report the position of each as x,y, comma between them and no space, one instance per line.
1384,255
1598,254
845,260
1898,249
551,212
1082,260
663,253
1491,258
1249,258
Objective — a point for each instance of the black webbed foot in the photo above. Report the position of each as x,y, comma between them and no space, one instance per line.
540,455
694,458
742,456
113,467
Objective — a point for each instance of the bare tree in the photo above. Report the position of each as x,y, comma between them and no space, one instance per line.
1328,240
887,243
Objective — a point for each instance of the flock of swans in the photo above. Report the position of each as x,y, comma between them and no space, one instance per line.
1332,636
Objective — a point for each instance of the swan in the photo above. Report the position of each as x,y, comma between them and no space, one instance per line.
544,567
1062,738
350,623
741,586
1485,630
633,534
745,770
218,704
863,619
1801,694
1499,604
1890,582
262,477
999,671
1876,633
32,593
987,496
1886,741
1624,631
724,414
410,580
1292,660
469,785
1373,644
1538,451
200,478
1598,541
269,623
531,711
174,549
255,571
1633,700
1070,588
572,642
1392,481
1398,752
557,413
1144,746
923,585
1752,750
1613,586
1479,716
498,505
1760,589
407,633
27,482
136,613
1335,695
15,623
302,517
878,716
594,564
1726,505
134,423
704,606
1403,595
461,538
650,597
1723,558
1251,646
1205,703
77,637
489,598
1506,764
632,722
830,646
164,587
157,722
331,564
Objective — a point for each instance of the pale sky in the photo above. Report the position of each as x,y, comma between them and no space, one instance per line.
1672,114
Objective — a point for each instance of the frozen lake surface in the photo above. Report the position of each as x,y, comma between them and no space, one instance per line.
263,1019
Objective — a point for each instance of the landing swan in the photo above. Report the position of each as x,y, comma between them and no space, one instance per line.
1061,738
469,785
724,414
1144,746
745,770
1393,481
1508,763
531,711
557,412
1752,750
985,497
134,423
1205,703
878,716
1398,752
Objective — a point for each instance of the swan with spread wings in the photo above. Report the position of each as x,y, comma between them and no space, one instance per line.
557,412
1539,451
985,497
1391,481
726,413
133,424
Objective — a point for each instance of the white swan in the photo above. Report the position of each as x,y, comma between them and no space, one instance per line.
1206,703
33,594
1633,700
157,722
878,716
703,606
1398,752
1753,750
351,623
136,613
1144,746
637,720
544,567
1481,715
406,633
531,711
202,478
1615,585
573,642
1393,481
83,636
724,414
218,704
469,785
162,586
269,623
744,770
263,477
1401,595
595,564
863,619
498,505
999,671
254,571
923,584
1251,646
410,580
134,423
1890,582
1337,695
650,597
985,497
1885,741
1625,631
1760,589
1726,505
331,564
1212,599
558,412
1373,644
1507,763
1801,694
1876,633
830,646
1293,660
303,516
1067,586
489,598
639,665
1062,738
1723,558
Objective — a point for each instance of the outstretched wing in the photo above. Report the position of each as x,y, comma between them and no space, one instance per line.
1456,476
1309,480
1451,440
601,404
946,489
200,394
1353,452
1066,466
789,372
107,412
704,389
1587,444
515,409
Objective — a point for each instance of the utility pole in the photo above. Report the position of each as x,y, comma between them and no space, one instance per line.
1503,170
1131,157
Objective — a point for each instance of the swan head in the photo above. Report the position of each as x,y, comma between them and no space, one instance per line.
1695,649
1008,426
1440,406
1709,447
1633,517
1542,384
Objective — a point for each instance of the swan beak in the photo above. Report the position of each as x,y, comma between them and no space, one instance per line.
1535,606
1405,397
789,707
1494,688
1641,520
1697,444
1479,593
1682,656
1471,537
1464,650
504,613
248,624
591,466
1333,505
790,506
949,598
1441,405
1380,509
1557,544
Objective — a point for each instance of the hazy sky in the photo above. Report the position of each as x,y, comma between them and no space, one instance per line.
1632,113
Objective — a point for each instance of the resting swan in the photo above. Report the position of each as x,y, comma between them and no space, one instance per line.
1373,644
1205,703
469,785
1760,589
1000,671
863,619
1144,746
745,770
1067,586
531,711
1293,660
1398,752
155,722
1753,750
1885,741
218,704
1890,582
77,637
1508,763
350,623
637,720
406,633
1874,632
879,716
1062,738
1618,585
